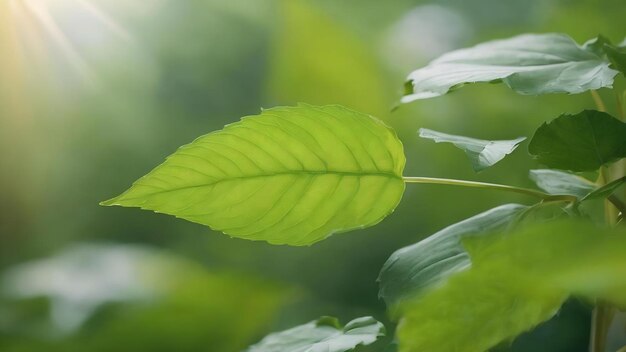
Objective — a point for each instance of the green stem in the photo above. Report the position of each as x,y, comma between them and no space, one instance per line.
603,313
494,186
598,101
600,323
620,106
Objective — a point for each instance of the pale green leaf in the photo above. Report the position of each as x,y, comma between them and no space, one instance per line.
516,282
574,256
412,270
580,142
291,175
560,182
529,64
324,334
482,153
474,312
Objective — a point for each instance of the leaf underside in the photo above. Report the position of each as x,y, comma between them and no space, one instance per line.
324,334
482,153
412,270
529,64
291,175
560,182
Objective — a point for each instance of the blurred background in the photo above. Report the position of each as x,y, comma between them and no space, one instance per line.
95,93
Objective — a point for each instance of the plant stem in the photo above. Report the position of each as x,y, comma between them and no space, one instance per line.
598,101
620,106
603,313
494,186
600,323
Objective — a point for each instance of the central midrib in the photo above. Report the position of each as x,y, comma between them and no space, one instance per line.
282,173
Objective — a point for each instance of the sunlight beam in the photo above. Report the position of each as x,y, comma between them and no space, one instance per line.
48,23
105,19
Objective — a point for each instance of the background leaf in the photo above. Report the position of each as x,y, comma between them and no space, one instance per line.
482,153
100,297
327,65
519,282
580,142
292,175
411,270
325,334
529,64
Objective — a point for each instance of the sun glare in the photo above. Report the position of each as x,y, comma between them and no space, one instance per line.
45,29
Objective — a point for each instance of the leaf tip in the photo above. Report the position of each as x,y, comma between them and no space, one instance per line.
110,202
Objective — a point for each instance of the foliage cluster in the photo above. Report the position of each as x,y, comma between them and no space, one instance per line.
296,175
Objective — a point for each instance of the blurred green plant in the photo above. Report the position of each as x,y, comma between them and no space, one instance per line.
325,65
91,297
324,334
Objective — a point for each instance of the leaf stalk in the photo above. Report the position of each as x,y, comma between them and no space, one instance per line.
473,184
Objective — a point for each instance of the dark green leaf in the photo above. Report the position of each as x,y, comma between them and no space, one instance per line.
529,64
324,335
581,142
606,190
560,182
291,175
617,56
393,347
596,45
411,270
516,282
482,153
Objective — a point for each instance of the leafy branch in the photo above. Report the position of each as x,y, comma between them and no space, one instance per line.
296,175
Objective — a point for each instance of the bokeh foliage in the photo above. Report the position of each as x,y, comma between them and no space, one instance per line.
69,140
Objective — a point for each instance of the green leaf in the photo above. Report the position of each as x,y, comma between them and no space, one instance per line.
473,313
291,175
481,153
325,335
606,190
580,142
559,182
516,282
574,256
529,64
412,270
617,56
